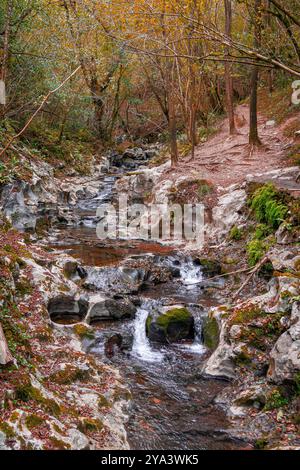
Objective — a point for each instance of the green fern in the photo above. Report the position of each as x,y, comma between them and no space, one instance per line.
267,206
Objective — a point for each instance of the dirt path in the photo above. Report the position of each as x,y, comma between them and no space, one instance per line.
226,160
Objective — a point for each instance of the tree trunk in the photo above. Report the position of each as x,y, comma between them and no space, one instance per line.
5,355
5,56
228,69
172,129
254,139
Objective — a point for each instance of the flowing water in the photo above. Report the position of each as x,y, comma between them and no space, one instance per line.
172,405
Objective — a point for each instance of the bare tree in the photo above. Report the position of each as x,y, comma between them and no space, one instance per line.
5,54
254,139
228,68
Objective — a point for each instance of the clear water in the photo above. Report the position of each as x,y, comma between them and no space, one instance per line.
141,348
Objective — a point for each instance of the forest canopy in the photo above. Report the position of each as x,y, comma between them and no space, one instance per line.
147,70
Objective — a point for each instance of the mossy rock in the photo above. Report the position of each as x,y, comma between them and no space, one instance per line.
33,421
87,425
210,267
174,325
211,333
69,375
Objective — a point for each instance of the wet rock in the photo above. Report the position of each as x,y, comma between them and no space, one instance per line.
209,267
171,326
285,357
65,308
110,309
72,270
221,362
112,345
210,333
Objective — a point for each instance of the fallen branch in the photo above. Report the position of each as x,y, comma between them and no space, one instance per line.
38,110
252,272
240,271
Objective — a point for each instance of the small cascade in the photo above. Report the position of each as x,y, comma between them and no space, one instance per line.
191,273
197,346
141,348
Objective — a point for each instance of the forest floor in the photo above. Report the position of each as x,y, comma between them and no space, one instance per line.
225,160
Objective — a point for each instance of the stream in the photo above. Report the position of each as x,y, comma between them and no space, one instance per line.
172,406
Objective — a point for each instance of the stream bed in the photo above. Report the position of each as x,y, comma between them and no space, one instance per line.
172,406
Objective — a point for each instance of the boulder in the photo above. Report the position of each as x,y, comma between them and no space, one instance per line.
210,333
285,356
65,308
228,212
221,363
110,309
77,440
173,325
255,396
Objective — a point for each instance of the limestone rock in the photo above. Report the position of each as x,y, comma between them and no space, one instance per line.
5,355
103,308
172,325
221,362
285,356
227,212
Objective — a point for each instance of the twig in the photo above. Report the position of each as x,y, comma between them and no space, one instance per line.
38,110
254,270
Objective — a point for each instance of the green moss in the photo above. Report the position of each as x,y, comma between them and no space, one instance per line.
263,337
175,315
121,394
26,392
51,406
69,375
243,358
87,425
83,332
275,400
59,444
256,249
103,402
268,206
204,188
210,267
261,443
24,287
297,384
210,331
7,430
33,421
148,323
246,314
235,233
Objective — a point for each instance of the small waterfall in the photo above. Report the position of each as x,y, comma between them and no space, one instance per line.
141,348
191,273
197,346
